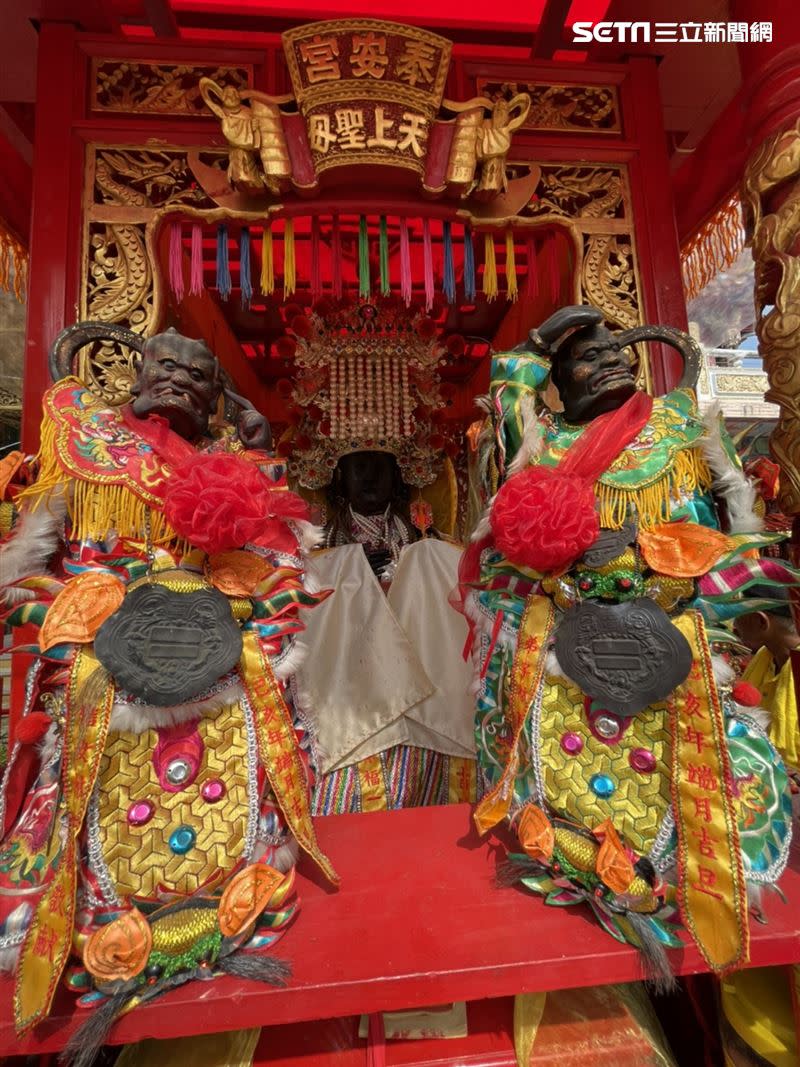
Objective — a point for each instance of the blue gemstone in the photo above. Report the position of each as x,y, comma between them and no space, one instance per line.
182,839
737,729
602,785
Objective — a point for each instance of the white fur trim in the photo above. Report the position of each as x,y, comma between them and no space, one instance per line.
552,667
724,674
308,535
730,483
286,856
33,541
760,716
48,745
532,437
289,661
8,959
136,718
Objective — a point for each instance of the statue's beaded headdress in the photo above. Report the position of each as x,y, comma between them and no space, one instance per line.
367,381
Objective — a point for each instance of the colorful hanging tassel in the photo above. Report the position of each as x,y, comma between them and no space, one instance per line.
316,260
176,261
489,267
405,263
386,286
267,263
555,269
289,271
427,260
245,284
511,267
224,284
363,259
336,258
532,278
196,266
469,265
449,270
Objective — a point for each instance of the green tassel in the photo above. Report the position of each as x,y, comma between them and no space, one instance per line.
363,259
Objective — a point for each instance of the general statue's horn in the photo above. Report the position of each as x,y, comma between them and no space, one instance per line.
687,346
74,338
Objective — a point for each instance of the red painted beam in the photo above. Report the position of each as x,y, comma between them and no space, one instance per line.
161,17
550,33
54,248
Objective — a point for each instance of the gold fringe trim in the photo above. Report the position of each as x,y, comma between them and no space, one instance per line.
713,248
13,264
94,509
652,503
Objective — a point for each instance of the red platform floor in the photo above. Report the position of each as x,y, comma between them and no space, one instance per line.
418,920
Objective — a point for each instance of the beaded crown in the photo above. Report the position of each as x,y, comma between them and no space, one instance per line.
367,381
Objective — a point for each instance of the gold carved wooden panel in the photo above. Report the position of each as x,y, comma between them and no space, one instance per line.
158,88
566,107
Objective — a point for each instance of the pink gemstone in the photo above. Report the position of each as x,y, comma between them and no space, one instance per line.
140,812
572,744
642,760
213,790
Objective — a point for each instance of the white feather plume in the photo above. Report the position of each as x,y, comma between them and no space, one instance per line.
730,483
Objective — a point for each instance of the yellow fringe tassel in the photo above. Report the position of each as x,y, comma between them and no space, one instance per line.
511,267
289,278
489,267
267,263
13,264
652,503
93,509
713,248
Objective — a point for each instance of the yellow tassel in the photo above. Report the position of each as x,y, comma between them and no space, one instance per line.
528,1012
267,263
489,267
288,260
511,267
652,504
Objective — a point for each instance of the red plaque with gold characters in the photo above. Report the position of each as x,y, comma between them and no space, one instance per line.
368,90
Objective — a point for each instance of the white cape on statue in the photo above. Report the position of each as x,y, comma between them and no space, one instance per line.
386,670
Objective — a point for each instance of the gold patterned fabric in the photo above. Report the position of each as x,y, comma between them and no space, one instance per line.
139,858
640,801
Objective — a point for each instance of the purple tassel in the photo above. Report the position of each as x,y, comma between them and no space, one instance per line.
469,265
405,263
176,261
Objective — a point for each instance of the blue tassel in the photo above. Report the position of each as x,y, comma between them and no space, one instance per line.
245,284
224,285
469,265
449,279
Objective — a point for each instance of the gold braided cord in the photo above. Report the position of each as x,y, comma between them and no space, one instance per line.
13,263
714,247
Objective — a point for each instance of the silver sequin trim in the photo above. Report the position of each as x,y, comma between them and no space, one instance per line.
253,799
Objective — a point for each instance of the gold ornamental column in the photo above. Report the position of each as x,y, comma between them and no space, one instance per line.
770,64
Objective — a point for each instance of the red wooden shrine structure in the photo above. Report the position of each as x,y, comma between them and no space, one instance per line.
119,124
